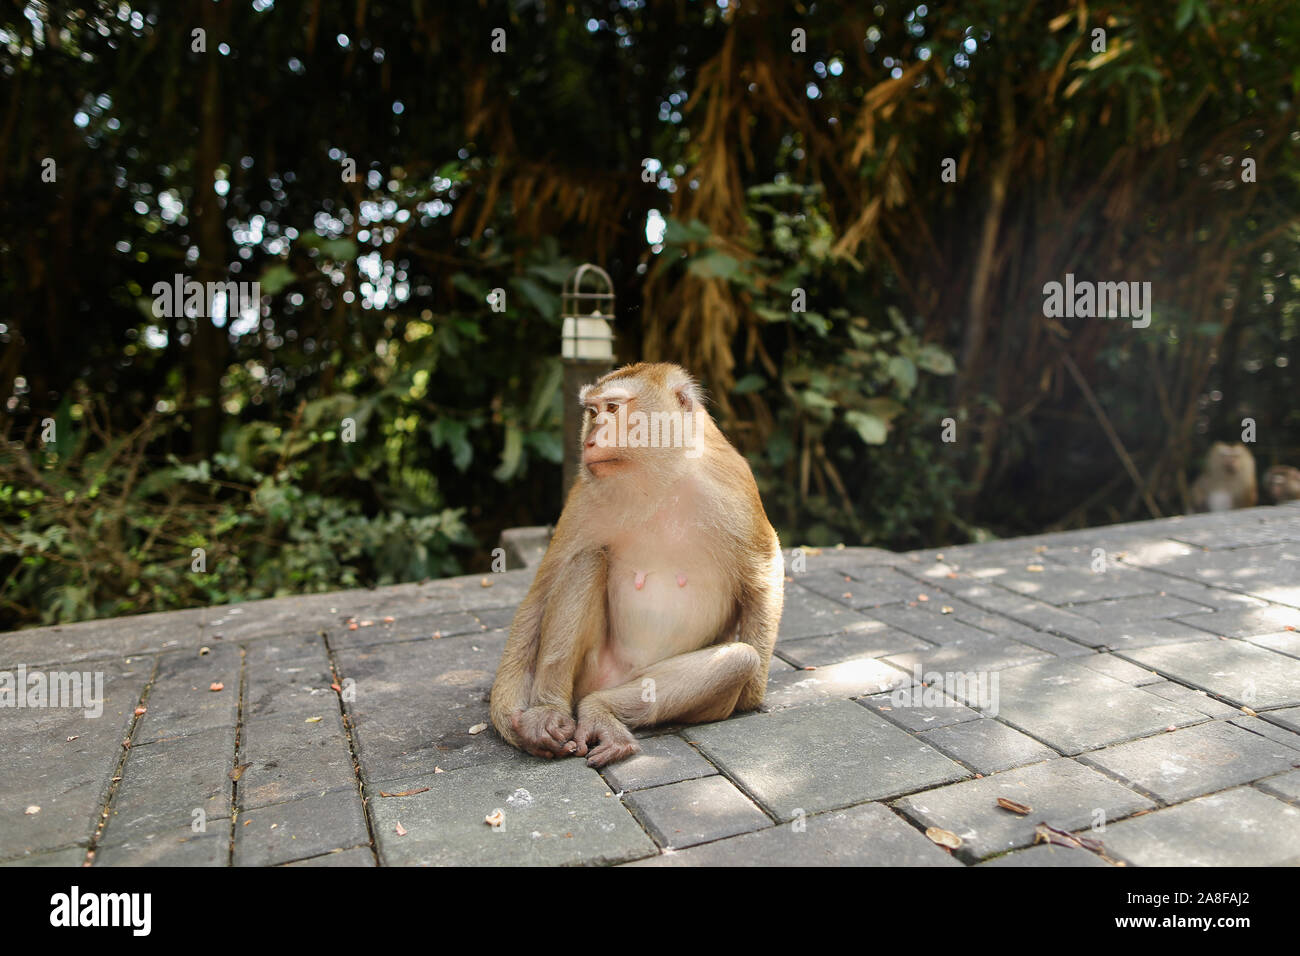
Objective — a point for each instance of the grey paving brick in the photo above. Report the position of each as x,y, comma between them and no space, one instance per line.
1279,735
865,835
289,757
821,757
935,628
170,849
663,759
1247,622
919,708
1268,572
299,829
288,676
68,856
1239,827
113,639
181,700
408,627
1288,717
164,784
556,813
1047,855
1196,700
683,814
988,652
1061,792
1075,585
987,746
862,639
357,856
1120,669
1233,670
806,614
1193,761
1284,642
847,679
1120,611
416,703
1057,702
1284,785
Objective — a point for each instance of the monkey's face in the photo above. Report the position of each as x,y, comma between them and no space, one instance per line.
640,421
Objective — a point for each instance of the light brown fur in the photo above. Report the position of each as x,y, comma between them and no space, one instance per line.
659,597
1228,480
1282,483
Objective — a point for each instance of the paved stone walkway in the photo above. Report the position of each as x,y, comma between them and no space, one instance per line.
1136,684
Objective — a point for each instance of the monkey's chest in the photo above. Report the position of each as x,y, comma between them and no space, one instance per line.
665,598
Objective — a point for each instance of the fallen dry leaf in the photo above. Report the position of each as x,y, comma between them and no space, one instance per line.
74,737
238,772
400,830
943,837
312,720
389,620
367,623
141,711
336,688
204,651
485,583
404,793
923,597
352,626
945,610
1046,833
1033,567
1248,711
478,729
1014,807
216,685
32,810
495,818
438,770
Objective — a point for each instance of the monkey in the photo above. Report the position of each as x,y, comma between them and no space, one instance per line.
1228,480
1282,483
659,596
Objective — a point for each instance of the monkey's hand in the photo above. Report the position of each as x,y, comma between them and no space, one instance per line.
545,731
613,741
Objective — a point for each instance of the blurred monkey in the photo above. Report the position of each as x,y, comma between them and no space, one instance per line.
1228,480
1282,483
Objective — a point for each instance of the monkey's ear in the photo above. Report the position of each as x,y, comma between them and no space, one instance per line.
688,394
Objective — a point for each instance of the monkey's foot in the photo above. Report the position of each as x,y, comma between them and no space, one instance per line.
545,731
613,741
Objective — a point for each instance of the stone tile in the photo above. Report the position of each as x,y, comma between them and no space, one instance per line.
1120,669
919,708
165,784
556,813
1064,793
357,856
409,627
1120,611
1269,572
1284,642
1239,827
865,835
1190,762
1284,785
288,757
663,759
987,746
862,639
936,628
821,757
171,849
288,676
1288,717
415,704
116,638
1025,610
1075,585
980,654
1058,702
69,856
806,614
1247,622
1278,735
1047,855
684,814
1196,700
847,679
1233,670
299,829
181,700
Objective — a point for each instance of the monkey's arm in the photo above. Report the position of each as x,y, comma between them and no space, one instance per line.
760,616
560,620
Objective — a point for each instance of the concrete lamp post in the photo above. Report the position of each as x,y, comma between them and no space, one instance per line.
587,348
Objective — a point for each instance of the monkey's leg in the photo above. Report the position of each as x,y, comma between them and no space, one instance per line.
691,688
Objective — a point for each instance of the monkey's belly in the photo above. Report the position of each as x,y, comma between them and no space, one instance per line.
658,620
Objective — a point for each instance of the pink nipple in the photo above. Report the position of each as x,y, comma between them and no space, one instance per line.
640,580
681,580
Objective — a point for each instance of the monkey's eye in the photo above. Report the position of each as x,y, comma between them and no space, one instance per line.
611,407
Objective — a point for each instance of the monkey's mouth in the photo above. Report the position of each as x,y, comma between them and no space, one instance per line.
592,462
